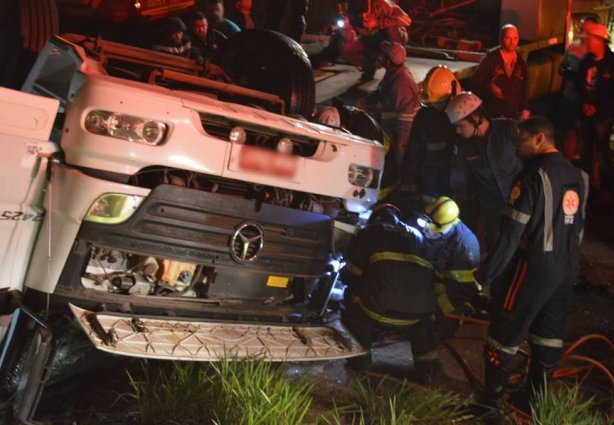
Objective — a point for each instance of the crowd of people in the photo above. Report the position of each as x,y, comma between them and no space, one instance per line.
476,192
478,197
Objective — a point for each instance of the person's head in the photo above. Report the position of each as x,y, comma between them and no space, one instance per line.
214,10
175,29
385,213
465,112
328,115
535,137
595,37
244,6
439,217
394,54
199,25
438,86
509,38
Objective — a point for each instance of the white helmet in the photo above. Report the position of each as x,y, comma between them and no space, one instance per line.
462,106
329,115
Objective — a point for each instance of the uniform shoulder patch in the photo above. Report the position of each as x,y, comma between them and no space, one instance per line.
515,193
571,204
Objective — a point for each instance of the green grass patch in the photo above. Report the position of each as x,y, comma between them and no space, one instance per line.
395,403
226,392
565,405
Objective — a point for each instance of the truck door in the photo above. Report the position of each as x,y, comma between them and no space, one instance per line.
25,126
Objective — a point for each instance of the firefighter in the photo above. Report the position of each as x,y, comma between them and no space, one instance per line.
490,154
399,96
358,122
383,20
597,116
432,166
454,251
534,263
390,288
501,78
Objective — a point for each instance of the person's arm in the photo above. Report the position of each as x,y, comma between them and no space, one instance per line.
481,79
407,104
516,215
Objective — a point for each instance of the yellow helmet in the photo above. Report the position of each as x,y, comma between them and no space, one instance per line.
439,85
441,214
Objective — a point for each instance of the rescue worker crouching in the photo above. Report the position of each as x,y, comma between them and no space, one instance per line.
390,288
533,265
454,251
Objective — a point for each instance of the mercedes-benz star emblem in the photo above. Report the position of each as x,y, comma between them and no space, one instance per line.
246,242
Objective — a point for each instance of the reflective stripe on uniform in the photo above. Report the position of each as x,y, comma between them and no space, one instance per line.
436,147
548,211
442,299
383,319
496,344
516,215
354,269
427,357
462,276
586,189
546,342
398,256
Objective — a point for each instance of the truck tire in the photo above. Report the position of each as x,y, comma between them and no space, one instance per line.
273,63
39,21
25,26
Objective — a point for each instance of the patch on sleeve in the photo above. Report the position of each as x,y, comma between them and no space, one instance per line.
571,203
516,192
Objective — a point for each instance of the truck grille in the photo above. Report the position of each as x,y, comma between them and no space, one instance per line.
191,225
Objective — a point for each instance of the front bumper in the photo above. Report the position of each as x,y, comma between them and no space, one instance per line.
199,340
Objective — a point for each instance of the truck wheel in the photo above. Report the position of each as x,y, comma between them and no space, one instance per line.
39,21
25,26
273,63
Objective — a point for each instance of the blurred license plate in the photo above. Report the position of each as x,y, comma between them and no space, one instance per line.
267,162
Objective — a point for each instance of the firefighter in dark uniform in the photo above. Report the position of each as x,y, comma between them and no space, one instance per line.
390,288
454,251
489,152
358,122
533,265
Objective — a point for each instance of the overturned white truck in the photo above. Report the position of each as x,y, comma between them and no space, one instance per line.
174,216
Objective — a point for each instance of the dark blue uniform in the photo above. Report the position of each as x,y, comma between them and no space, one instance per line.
455,257
494,163
532,267
390,287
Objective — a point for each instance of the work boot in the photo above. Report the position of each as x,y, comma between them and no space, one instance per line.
496,376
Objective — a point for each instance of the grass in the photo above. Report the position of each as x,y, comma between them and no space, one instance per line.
565,405
246,392
394,403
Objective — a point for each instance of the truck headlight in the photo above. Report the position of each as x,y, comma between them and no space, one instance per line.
113,208
360,176
126,127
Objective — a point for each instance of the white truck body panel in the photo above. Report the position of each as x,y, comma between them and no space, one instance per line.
25,127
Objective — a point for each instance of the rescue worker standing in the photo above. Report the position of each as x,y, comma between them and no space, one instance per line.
399,96
534,263
454,251
490,154
501,78
597,117
390,287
